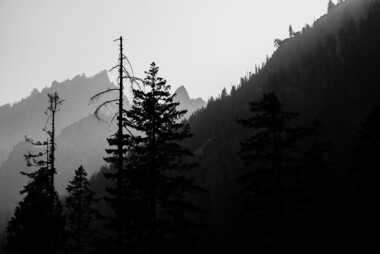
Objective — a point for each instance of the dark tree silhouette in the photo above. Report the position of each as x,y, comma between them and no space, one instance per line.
291,31
224,93
81,213
118,196
330,6
269,160
366,167
54,103
163,165
38,223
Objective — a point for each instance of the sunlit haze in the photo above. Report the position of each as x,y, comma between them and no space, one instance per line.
203,45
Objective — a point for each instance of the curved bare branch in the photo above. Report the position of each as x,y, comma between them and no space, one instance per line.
126,58
129,131
47,120
114,67
96,113
115,115
98,95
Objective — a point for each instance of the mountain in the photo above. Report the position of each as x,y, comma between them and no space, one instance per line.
81,143
3,155
191,105
27,116
328,71
81,139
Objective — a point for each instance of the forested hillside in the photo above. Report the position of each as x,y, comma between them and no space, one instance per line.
285,162
329,72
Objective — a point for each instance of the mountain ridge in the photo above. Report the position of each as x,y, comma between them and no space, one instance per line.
82,140
324,72
187,103
27,117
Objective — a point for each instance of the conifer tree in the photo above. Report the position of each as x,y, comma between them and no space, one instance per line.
38,223
53,107
269,159
81,212
118,194
291,31
162,165
330,6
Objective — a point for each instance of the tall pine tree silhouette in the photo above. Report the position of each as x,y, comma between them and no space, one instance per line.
268,157
81,213
118,196
162,165
38,223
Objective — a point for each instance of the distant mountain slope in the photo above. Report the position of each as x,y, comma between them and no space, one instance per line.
27,116
329,71
191,105
82,143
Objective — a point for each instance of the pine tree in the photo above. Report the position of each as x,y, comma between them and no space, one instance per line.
269,159
291,31
119,195
162,165
38,223
224,93
330,6
81,212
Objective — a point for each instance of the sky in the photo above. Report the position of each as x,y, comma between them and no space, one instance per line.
204,45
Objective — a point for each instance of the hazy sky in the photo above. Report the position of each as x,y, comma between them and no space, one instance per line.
204,45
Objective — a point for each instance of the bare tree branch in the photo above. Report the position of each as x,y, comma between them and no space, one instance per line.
96,113
98,95
126,58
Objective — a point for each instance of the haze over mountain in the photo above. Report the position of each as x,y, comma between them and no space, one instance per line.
327,71
81,139
27,116
186,103
81,143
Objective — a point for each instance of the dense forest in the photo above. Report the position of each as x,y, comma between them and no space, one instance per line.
284,162
329,73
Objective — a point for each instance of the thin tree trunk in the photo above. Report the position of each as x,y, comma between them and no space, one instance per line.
153,176
120,154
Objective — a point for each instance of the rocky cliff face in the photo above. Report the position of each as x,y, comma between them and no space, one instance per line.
191,105
82,143
27,116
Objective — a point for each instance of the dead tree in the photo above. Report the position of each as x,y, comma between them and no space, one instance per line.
118,155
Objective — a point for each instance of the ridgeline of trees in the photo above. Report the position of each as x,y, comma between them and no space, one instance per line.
272,180
324,74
